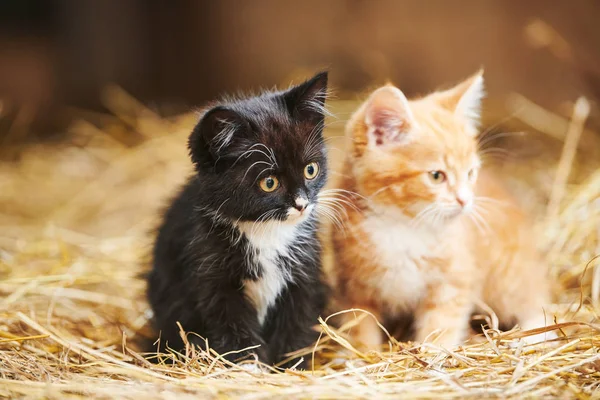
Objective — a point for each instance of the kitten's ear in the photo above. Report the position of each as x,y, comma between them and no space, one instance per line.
465,100
307,100
388,116
215,133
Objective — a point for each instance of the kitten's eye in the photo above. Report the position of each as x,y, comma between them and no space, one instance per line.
437,176
311,170
269,184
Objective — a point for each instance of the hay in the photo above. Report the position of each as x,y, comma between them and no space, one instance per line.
74,223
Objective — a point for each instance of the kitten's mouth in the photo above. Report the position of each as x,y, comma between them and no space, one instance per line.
444,217
452,214
295,215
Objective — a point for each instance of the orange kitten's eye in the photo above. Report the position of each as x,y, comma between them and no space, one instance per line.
311,170
472,173
437,176
269,184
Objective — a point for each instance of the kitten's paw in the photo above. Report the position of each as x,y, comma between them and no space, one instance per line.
532,340
436,348
445,342
539,338
534,324
254,368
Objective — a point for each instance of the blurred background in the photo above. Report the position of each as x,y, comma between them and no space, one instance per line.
174,55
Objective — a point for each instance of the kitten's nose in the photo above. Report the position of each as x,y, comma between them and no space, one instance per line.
464,198
300,204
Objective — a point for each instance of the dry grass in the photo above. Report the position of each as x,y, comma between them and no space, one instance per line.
74,231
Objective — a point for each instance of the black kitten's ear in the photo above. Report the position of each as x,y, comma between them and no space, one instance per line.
215,133
307,100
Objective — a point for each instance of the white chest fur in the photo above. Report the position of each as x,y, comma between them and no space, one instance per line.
268,242
400,249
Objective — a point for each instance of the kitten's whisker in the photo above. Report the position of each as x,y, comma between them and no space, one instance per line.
253,226
261,172
330,147
378,191
474,220
255,163
271,154
250,151
315,132
256,224
482,207
264,228
442,216
332,215
348,192
479,208
336,149
224,137
215,216
419,218
486,226
426,216
338,207
489,138
334,195
341,200
342,204
332,138
319,106
322,210
502,121
500,157
435,216
339,174
477,215
497,153
493,150
485,199
313,140
274,159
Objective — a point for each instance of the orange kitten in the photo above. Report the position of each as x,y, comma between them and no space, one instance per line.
425,235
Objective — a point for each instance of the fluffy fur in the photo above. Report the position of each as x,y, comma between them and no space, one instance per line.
233,263
430,247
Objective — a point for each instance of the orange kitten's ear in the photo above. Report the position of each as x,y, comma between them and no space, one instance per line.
388,116
465,99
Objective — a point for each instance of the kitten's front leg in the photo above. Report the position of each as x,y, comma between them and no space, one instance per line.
297,312
447,310
232,326
367,332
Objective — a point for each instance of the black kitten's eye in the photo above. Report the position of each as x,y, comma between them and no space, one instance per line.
269,184
311,170
437,176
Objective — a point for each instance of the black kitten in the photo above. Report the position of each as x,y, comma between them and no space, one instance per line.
237,260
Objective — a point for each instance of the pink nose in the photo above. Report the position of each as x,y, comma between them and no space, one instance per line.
464,197
464,201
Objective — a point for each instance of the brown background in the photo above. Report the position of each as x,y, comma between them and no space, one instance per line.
176,55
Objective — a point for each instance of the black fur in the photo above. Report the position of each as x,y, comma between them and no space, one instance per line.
200,258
